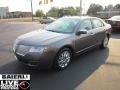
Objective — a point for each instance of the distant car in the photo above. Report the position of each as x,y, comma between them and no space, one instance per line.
45,20
114,21
61,40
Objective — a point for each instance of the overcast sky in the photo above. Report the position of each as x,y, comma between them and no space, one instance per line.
24,5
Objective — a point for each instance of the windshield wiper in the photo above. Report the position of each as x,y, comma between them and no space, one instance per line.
51,30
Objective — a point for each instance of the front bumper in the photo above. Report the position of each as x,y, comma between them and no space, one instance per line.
37,59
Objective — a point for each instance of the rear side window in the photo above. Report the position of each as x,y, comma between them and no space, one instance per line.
97,23
86,24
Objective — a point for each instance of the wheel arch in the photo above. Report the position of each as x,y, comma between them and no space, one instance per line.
69,47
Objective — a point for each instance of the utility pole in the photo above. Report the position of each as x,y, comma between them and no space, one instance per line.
32,9
80,7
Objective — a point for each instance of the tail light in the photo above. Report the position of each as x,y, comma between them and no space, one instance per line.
118,23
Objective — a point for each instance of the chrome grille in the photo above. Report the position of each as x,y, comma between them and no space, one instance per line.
22,50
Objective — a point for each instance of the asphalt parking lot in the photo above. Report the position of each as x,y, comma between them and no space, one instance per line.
95,70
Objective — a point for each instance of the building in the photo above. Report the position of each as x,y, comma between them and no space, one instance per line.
108,14
19,14
4,12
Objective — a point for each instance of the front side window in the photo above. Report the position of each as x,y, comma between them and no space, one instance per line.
97,23
86,24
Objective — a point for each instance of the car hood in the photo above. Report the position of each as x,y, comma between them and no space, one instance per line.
41,37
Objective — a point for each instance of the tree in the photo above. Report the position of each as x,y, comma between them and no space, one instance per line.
109,7
59,12
77,10
69,11
53,12
56,12
117,6
94,8
39,13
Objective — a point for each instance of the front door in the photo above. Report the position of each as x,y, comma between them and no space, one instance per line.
85,41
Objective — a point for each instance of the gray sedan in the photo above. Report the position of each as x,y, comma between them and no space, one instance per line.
60,41
46,20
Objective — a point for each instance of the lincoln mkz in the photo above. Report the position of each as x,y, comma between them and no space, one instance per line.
60,41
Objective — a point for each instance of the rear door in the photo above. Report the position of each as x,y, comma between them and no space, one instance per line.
98,30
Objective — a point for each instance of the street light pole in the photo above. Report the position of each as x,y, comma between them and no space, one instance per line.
80,7
32,9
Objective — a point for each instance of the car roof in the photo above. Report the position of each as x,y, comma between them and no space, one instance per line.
79,17
84,17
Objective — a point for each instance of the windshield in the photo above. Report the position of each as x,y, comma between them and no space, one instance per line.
115,17
63,25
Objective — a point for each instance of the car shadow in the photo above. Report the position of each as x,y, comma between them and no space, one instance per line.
78,71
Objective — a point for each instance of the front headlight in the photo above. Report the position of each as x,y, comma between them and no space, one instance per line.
15,44
37,49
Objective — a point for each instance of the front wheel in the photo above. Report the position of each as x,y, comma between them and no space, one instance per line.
63,59
104,43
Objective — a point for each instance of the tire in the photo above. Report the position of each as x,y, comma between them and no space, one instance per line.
104,42
41,23
63,59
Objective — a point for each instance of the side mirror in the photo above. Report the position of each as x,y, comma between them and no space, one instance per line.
81,32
